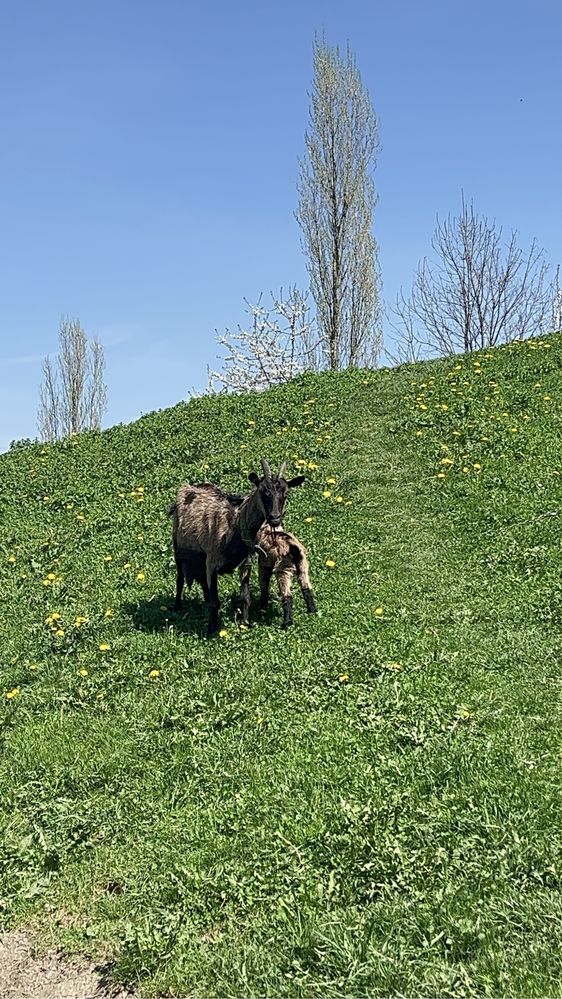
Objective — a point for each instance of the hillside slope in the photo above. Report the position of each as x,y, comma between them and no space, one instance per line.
368,804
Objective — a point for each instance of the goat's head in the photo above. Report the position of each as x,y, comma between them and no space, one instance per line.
273,491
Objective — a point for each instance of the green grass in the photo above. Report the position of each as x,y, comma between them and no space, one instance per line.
366,805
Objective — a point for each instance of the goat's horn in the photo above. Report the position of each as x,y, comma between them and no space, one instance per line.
266,468
282,470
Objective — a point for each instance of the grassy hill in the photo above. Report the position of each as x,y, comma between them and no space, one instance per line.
368,804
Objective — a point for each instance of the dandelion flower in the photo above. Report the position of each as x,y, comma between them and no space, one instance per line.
326,494
154,674
109,612
308,520
331,481
379,611
223,633
12,559
83,672
108,558
339,499
140,577
59,632
104,647
330,563
343,677
12,694
440,475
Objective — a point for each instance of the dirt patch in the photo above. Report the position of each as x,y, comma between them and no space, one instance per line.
26,973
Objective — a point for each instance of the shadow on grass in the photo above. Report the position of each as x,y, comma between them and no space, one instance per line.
158,614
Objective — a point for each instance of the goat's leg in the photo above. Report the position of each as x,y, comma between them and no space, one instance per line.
265,572
301,565
284,585
212,598
179,586
245,573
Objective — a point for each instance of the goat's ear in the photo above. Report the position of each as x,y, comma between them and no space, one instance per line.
254,479
297,481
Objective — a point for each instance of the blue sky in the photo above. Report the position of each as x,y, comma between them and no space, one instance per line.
150,151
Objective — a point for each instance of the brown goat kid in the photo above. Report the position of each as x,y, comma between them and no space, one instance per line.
282,555
212,534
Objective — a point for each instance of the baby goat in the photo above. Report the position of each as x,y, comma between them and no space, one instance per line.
282,555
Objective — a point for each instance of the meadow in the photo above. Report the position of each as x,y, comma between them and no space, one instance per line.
365,805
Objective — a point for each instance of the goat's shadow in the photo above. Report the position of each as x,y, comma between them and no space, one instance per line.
158,614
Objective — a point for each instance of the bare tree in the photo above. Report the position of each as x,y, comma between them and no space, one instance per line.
335,211
278,344
73,394
478,292
556,299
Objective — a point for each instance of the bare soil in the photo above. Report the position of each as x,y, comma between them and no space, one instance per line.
28,973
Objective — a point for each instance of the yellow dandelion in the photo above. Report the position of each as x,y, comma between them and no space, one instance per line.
104,646
154,674
465,468
59,632
308,520
343,677
440,475
12,694
326,494
395,667
12,559
140,577
126,565
109,612
330,563
108,558
379,611
46,499
339,499
447,461
223,633
331,481
83,672
477,466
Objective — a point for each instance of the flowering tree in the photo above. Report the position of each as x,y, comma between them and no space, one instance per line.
275,346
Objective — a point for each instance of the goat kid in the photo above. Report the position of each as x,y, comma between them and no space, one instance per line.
282,555
212,535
